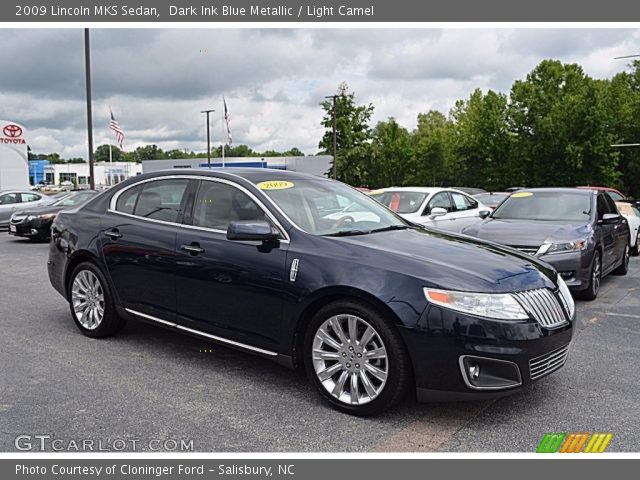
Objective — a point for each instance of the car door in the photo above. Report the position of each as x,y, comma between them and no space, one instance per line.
9,203
466,211
443,222
620,230
231,289
30,199
608,233
138,244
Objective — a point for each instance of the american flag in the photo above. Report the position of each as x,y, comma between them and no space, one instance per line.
227,119
113,124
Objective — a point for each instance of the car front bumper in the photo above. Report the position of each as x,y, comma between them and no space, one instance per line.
443,339
30,229
573,267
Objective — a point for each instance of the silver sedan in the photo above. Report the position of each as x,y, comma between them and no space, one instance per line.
12,200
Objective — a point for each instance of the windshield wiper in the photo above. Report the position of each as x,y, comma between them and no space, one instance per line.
348,233
391,227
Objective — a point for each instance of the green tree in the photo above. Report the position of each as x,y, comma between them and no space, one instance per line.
149,152
563,139
102,153
352,126
391,158
432,142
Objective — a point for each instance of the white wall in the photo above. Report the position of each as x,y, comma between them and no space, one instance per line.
14,161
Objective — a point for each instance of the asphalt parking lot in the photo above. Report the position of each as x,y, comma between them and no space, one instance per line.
151,384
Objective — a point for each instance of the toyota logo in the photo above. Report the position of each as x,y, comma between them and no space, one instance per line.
12,131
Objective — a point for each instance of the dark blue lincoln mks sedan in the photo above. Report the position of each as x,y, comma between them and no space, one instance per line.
312,273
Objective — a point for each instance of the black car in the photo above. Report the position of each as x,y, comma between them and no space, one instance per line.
579,232
370,305
35,223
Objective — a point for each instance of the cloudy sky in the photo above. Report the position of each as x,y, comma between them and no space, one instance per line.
157,80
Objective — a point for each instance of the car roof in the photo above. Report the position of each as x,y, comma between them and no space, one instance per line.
416,189
253,175
2,192
606,189
556,189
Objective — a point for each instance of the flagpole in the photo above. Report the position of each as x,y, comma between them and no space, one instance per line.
223,133
110,165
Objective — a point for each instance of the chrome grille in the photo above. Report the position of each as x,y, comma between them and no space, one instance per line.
527,250
547,363
542,304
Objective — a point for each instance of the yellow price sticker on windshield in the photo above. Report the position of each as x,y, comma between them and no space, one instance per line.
274,185
522,194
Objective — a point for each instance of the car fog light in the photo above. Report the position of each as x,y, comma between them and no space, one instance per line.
34,231
474,371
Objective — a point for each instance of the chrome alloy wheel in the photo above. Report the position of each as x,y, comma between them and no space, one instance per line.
596,274
350,359
87,297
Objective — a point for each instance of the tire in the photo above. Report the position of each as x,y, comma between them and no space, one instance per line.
635,251
380,382
98,319
595,278
623,268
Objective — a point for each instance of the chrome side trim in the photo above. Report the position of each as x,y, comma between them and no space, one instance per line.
112,203
473,387
204,334
293,273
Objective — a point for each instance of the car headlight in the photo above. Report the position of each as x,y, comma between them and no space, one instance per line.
501,306
565,296
562,247
47,216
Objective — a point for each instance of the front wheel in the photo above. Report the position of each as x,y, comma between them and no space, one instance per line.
595,276
635,251
356,359
91,302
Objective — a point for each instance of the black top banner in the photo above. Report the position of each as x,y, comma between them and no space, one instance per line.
212,11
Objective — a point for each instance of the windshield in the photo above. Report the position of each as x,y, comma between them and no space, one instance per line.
73,199
323,207
400,201
490,199
547,206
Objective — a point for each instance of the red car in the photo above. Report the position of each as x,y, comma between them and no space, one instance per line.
615,195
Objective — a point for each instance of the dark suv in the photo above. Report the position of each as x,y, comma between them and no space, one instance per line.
578,231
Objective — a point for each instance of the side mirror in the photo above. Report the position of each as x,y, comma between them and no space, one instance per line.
252,230
437,212
484,214
610,218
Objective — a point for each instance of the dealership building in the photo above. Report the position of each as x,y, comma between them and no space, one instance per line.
106,173
314,164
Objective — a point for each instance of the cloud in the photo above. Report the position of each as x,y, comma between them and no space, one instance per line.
158,80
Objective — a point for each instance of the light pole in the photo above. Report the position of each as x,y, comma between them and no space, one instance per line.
87,71
208,137
335,142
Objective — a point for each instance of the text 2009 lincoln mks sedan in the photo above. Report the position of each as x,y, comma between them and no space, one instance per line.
370,305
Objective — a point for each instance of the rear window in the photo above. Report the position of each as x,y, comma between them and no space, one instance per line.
399,201
157,200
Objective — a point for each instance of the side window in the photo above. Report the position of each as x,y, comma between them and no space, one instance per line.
156,200
30,197
127,200
8,198
610,204
462,202
603,205
440,200
218,204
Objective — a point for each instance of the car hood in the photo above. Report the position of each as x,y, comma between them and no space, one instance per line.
450,261
530,233
45,209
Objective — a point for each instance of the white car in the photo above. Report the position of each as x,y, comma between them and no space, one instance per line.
12,200
440,208
632,214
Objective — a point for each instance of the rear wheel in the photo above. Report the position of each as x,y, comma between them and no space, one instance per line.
635,251
91,302
356,359
595,276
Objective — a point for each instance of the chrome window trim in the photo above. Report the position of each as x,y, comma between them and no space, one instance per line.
114,200
203,334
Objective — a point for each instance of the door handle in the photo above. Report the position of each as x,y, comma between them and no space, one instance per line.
113,234
193,249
